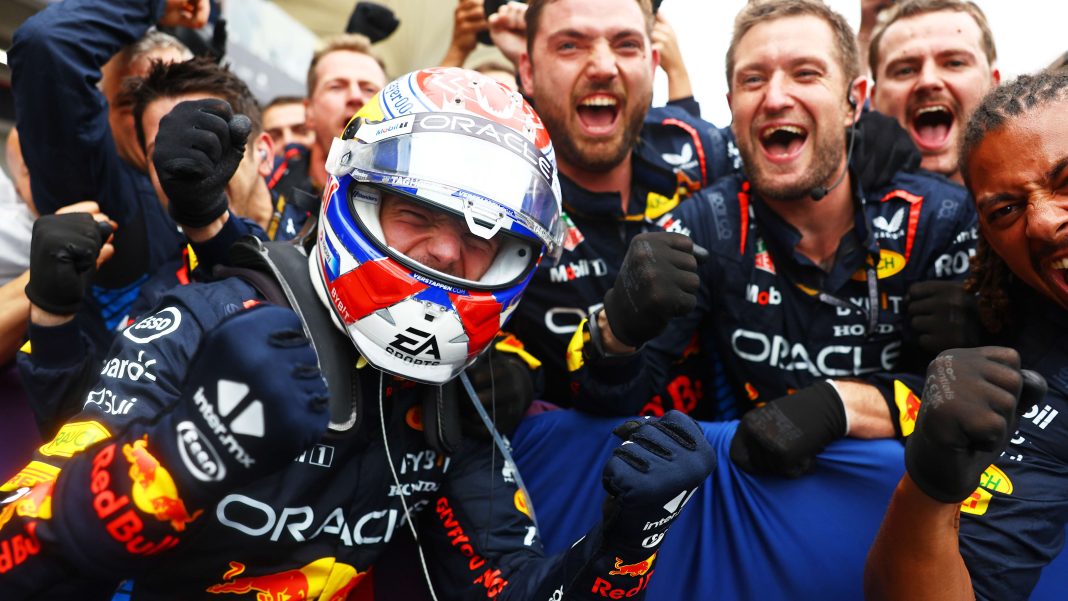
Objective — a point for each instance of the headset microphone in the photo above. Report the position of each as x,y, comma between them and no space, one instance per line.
818,192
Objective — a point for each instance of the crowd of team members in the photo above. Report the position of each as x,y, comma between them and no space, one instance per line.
798,270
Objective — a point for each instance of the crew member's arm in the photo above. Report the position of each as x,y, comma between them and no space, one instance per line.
508,30
970,413
671,61
56,57
57,366
14,315
468,21
915,555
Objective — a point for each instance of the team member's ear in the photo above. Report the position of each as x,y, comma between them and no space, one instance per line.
856,95
264,146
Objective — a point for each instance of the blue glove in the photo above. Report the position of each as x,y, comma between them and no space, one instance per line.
252,401
650,477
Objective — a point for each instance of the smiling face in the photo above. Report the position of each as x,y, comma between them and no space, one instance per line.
932,73
591,76
1019,178
789,106
438,240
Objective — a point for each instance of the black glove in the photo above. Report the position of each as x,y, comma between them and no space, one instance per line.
63,252
784,436
504,383
650,477
656,283
373,20
253,399
967,414
941,315
199,146
882,148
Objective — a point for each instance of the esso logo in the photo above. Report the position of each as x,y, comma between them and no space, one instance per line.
154,326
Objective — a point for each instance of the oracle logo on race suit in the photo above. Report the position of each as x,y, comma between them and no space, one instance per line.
257,518
832,360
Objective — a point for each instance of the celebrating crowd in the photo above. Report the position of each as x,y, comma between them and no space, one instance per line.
260,346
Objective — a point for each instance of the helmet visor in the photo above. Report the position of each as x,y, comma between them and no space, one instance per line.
490,174
472,263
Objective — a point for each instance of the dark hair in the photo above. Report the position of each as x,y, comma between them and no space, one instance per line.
533,20
761,11
196,76
991,278
913,8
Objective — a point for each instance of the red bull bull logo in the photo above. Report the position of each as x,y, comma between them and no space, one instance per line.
323,579
154,491
635,569
908,407
29,492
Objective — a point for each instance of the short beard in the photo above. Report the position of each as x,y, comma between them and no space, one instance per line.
824,169
598,157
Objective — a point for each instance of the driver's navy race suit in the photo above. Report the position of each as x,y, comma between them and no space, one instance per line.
676,155
781,322
308,531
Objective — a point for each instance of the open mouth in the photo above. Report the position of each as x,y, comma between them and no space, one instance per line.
783,141
598,113
1060,266
931,126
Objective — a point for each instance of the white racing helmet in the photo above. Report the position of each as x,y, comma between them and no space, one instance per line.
457,142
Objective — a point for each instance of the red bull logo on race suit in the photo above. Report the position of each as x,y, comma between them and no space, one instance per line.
324,579
154,491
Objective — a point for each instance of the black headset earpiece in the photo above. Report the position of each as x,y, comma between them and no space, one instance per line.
818,192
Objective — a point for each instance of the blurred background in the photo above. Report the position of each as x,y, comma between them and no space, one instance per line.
271,41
